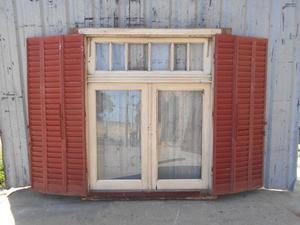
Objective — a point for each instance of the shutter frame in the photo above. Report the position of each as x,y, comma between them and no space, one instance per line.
51,157
239,83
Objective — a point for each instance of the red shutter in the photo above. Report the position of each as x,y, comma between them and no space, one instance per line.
74,109
56,114
239,113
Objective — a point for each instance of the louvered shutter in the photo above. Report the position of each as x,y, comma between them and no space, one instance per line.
57,114
239,113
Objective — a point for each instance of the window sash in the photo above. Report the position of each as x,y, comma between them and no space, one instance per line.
206,58
149,152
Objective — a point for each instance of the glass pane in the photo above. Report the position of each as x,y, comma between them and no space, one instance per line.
102,54
196,56
179,141
138,57
118,134
118,57
179,57
160,56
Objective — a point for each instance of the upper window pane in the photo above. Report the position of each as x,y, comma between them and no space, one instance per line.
160,56
137,57
102,54
179,56
134,56
196,56
118,57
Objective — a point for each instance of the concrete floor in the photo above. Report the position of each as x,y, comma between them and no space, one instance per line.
252,208
260,207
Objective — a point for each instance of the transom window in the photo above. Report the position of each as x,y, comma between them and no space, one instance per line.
155,54
149,112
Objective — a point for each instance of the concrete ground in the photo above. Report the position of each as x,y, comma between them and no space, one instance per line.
252,208
261,207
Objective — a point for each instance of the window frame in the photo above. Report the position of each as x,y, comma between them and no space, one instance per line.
206,150
153,77
108,184
102,74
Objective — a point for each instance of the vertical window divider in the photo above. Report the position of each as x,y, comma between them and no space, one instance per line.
149,56
110,56
172,57
126,56
206,57
188,56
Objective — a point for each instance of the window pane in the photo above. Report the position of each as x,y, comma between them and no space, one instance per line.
118,134
179,141
118,57
160,56
102,54
179,57
196,56
138,57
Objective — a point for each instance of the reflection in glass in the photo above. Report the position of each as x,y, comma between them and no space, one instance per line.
179,140
137,56
196,56
118,56
179,56
118,134
160,56
102,54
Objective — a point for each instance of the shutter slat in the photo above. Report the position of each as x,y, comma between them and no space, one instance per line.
57,159
74,113
239,112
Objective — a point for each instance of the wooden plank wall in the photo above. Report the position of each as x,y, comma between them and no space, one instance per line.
276,20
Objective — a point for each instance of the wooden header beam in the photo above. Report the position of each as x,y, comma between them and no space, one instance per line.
145,32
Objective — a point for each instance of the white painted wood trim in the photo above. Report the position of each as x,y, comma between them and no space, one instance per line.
146,40
140,32
126,56
172,57
188,54
211,132
149,56
149,77
92,57
207,56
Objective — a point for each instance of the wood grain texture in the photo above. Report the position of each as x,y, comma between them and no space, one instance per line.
276,20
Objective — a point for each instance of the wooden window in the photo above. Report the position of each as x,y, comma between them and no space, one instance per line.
150,115
148,96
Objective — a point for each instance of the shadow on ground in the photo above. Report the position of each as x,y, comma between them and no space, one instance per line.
256,207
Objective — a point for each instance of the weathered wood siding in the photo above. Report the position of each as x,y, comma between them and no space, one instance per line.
276,20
